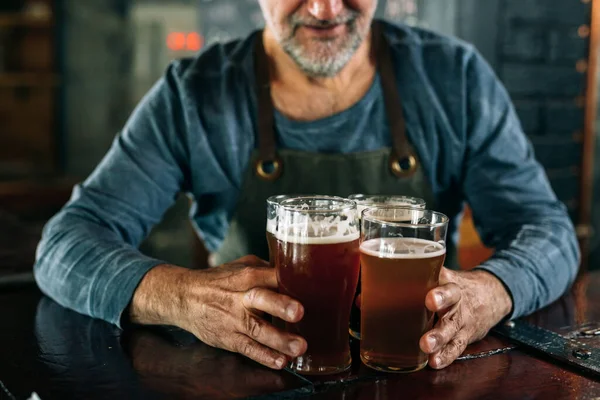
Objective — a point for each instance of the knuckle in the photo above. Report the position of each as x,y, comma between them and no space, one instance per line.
247,348
451,321
252,296
243,345
249,259
254,326
255,259
460,343
454,288
249,274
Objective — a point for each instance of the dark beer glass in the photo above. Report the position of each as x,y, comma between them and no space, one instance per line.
317,263
401,262
273,203
363,201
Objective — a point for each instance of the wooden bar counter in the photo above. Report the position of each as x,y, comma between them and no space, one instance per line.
59,354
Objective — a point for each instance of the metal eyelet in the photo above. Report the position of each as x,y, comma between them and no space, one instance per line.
269,170
404,168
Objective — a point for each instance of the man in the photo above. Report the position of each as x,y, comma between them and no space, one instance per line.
331,106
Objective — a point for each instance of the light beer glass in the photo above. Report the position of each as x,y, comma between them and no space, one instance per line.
318,264
402,252
363,201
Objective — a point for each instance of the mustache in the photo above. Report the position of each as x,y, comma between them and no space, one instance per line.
347,18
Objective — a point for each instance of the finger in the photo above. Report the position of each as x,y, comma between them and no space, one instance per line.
450,352
444,332
261,354
251,259
264,333
276,304
251,277
447,276
442,297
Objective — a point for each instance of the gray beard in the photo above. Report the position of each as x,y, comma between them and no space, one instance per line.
328,62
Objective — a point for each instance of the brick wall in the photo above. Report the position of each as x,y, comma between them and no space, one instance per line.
540,57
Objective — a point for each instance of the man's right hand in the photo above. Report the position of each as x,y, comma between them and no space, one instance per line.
223,307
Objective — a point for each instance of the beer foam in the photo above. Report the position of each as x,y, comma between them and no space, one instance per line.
334,239
272,225
400,213
402,248
317,221
327,230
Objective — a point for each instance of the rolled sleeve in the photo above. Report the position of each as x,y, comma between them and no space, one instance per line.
88,258
514,207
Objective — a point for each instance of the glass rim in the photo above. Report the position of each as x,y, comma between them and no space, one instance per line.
273,199
440,224
417,200
345,204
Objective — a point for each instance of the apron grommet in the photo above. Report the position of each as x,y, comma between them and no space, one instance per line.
405,167
269,170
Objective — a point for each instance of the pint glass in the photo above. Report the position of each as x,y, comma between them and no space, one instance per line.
363,201
318,264
402,252
273,203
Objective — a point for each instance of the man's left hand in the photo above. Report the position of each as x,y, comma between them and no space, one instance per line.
468,304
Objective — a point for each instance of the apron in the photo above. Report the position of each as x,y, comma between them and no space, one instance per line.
387,171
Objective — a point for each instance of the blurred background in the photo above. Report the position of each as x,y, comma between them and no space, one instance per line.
71,71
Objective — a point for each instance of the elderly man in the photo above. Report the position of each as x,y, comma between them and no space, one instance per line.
327,100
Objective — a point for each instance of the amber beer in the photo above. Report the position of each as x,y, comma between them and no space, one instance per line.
364,201
400,263
317,263
394,287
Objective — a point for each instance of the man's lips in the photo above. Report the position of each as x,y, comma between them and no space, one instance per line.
324,31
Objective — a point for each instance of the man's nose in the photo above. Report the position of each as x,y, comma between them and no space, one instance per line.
325,9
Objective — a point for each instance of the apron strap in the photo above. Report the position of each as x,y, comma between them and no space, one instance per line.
403,161
268,166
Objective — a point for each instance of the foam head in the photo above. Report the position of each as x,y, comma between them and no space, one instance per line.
403,248
317,220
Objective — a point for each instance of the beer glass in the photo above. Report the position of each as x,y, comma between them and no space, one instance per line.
402,252
318,264
273,203
363,201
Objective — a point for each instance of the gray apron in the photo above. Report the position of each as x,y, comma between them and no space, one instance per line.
387,171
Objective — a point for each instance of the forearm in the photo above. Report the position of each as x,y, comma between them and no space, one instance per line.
86,267
537,265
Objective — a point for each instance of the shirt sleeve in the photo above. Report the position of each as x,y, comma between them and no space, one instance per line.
88,259
514,207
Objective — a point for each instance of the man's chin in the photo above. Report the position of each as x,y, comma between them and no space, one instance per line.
321,68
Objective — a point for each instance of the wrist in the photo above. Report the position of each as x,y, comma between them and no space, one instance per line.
499,296
160,296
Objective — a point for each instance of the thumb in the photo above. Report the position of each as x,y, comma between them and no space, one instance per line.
447,276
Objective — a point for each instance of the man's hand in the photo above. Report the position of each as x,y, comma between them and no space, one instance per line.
223,307
468,304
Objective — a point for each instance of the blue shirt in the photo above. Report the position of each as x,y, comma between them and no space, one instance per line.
195,132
